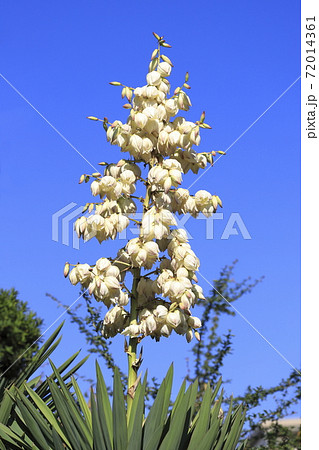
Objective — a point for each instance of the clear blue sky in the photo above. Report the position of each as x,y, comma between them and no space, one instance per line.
241,57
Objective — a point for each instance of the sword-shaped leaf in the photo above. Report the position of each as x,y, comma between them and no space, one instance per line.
158,413
104,408
119,414
135,426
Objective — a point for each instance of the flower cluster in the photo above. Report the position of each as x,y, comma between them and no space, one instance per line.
156,223
161,145
111,215
101,280
142,254
149,133
161,321
114,322
118,180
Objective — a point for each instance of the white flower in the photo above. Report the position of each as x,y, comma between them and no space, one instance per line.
183,101
187,300
127,176
150,112
150,92
113,170
138,91
153,126
164,69
180,235
171,106
165,176
136,142
155,224
160,94
95,188
173,319
73,277
123,299
194,322
150,324
113,271
132,330
81,274
157,175
198,291
161,112
163,138
191,262
174,137
140,119
164,86
153,78
166,330
147,145
121,223
194,136
133,168
162,142
205,202
80,226
190,206
102,264
186,127
114,322
181,195
151,248
142,254
160,313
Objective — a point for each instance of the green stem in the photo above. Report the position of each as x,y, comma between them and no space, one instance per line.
132,347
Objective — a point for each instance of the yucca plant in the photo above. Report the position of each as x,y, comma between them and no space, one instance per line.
24,382
150,287
100,425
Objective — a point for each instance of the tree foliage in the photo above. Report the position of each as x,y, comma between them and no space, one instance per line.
20,330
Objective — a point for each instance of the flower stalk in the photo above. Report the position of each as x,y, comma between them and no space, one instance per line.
133,341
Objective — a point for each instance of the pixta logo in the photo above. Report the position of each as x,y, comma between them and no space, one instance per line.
63,222
63,225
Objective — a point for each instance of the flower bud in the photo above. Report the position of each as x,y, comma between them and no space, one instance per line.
66,270
197,335
189,335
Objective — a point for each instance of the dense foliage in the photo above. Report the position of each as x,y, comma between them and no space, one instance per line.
20,330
